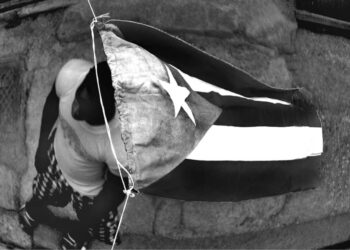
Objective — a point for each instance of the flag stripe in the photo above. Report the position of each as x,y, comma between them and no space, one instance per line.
227,143
241,112
235,181
201,86
247,112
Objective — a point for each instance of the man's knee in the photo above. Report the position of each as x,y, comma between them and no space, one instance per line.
110,197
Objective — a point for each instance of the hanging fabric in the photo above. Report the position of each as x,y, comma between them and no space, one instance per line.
198,128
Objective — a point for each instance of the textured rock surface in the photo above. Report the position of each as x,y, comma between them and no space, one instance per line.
9,188
263,63
168,221
321,65
261,21
12,112
303,236
46,238
10,232
226,218
3,247
140,215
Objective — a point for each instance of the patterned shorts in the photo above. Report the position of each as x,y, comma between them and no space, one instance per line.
51,188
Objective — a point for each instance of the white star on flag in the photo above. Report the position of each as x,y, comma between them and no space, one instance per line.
177,95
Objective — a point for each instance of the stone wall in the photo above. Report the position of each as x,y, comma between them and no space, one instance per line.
260,36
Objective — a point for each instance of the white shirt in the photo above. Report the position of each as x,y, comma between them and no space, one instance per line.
81,149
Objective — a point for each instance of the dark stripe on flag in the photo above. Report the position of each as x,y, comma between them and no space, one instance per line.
238,111
235,181
242,112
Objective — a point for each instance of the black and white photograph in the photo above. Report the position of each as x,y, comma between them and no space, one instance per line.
174,124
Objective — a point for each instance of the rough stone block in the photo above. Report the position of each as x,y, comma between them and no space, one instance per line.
211,219
139,215
10,231
37,58
26,188
311,235
46,237
304,206
168,220
12,109
11,42
260,20
321,64
277,74
4,247
8,188
335,171
263,63
265,23
74,17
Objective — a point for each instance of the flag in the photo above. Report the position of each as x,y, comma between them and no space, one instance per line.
197,128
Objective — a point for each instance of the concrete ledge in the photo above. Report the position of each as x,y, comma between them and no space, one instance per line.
311,235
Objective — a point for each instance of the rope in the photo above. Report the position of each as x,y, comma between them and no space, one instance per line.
128,192
92,9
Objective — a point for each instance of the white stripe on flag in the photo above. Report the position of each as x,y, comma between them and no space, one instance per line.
227,143
201,86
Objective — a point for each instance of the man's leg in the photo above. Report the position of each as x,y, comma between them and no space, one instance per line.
49,188
98,216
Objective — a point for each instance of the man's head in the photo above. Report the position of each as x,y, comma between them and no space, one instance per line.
86,105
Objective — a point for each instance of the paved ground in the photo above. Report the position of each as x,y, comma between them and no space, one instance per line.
311,235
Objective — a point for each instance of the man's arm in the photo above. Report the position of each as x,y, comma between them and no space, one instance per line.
49,117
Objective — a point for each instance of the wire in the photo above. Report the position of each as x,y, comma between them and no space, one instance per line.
128,191
92,9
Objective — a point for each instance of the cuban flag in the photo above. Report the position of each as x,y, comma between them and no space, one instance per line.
198,128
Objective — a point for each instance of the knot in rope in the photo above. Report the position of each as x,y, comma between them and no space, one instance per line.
129,192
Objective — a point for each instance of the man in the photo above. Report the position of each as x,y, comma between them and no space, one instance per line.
74,160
